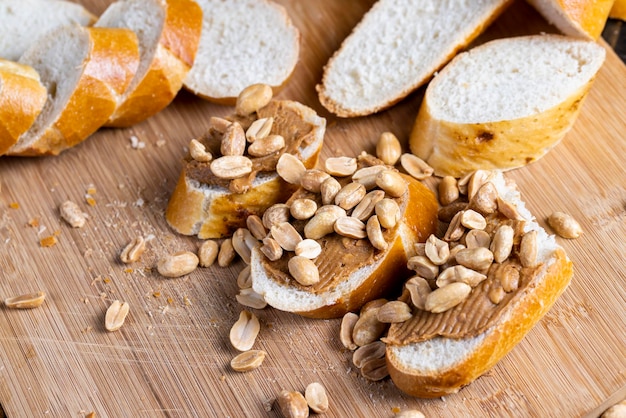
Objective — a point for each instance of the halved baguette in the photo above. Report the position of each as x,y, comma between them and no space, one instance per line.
168,32
23,22
581,18
352,272
22,96
504,104
397,47
203,205
435,354
243,42
85,70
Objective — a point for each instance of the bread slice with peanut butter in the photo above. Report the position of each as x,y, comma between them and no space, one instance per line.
469,310
230,173
352,246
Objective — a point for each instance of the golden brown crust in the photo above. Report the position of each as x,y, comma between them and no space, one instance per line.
419,220
107,72
22,96
618,11
456,149
497,342
172,60
191,212
588,16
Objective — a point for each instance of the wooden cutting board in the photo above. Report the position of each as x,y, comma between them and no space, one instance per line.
171,358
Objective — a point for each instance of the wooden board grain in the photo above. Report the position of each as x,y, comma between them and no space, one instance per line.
171,357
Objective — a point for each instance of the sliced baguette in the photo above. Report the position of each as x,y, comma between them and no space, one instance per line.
201,206
352,272
436,365
22,96
243,42
397,47
23,22
168,32
581,18
85,70
504,104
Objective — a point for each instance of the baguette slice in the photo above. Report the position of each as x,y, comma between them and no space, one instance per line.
23,22
168,32
397,47
427,363
244,42
581,18
22,96
352,272
85,70
202,206
504,104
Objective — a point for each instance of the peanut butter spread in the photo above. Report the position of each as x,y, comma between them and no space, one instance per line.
340,257
475,314
289,122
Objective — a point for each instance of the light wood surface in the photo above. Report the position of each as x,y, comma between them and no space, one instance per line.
171,358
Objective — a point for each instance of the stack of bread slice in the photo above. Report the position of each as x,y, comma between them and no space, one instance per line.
131,64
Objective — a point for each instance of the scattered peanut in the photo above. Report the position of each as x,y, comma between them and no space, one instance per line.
26,301
565,225
177,264
116,315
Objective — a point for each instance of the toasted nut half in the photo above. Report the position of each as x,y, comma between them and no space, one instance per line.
316,397
27,301
565,225
248,360
244,332
116,315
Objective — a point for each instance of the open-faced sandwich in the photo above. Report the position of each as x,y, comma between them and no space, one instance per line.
343,238
230,173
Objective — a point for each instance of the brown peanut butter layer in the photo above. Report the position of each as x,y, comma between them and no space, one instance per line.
487,302
340,256
288,122
470,318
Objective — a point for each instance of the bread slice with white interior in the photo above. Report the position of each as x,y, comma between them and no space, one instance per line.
85,71
22,96
434,354
504,104
396,48
23,22
168,32
243,42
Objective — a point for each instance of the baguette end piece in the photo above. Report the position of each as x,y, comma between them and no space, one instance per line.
488,110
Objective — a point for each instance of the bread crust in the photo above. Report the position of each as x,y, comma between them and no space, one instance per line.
22,96
108,69
497,342
191,212
457,149
170,64
579,18
419,220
